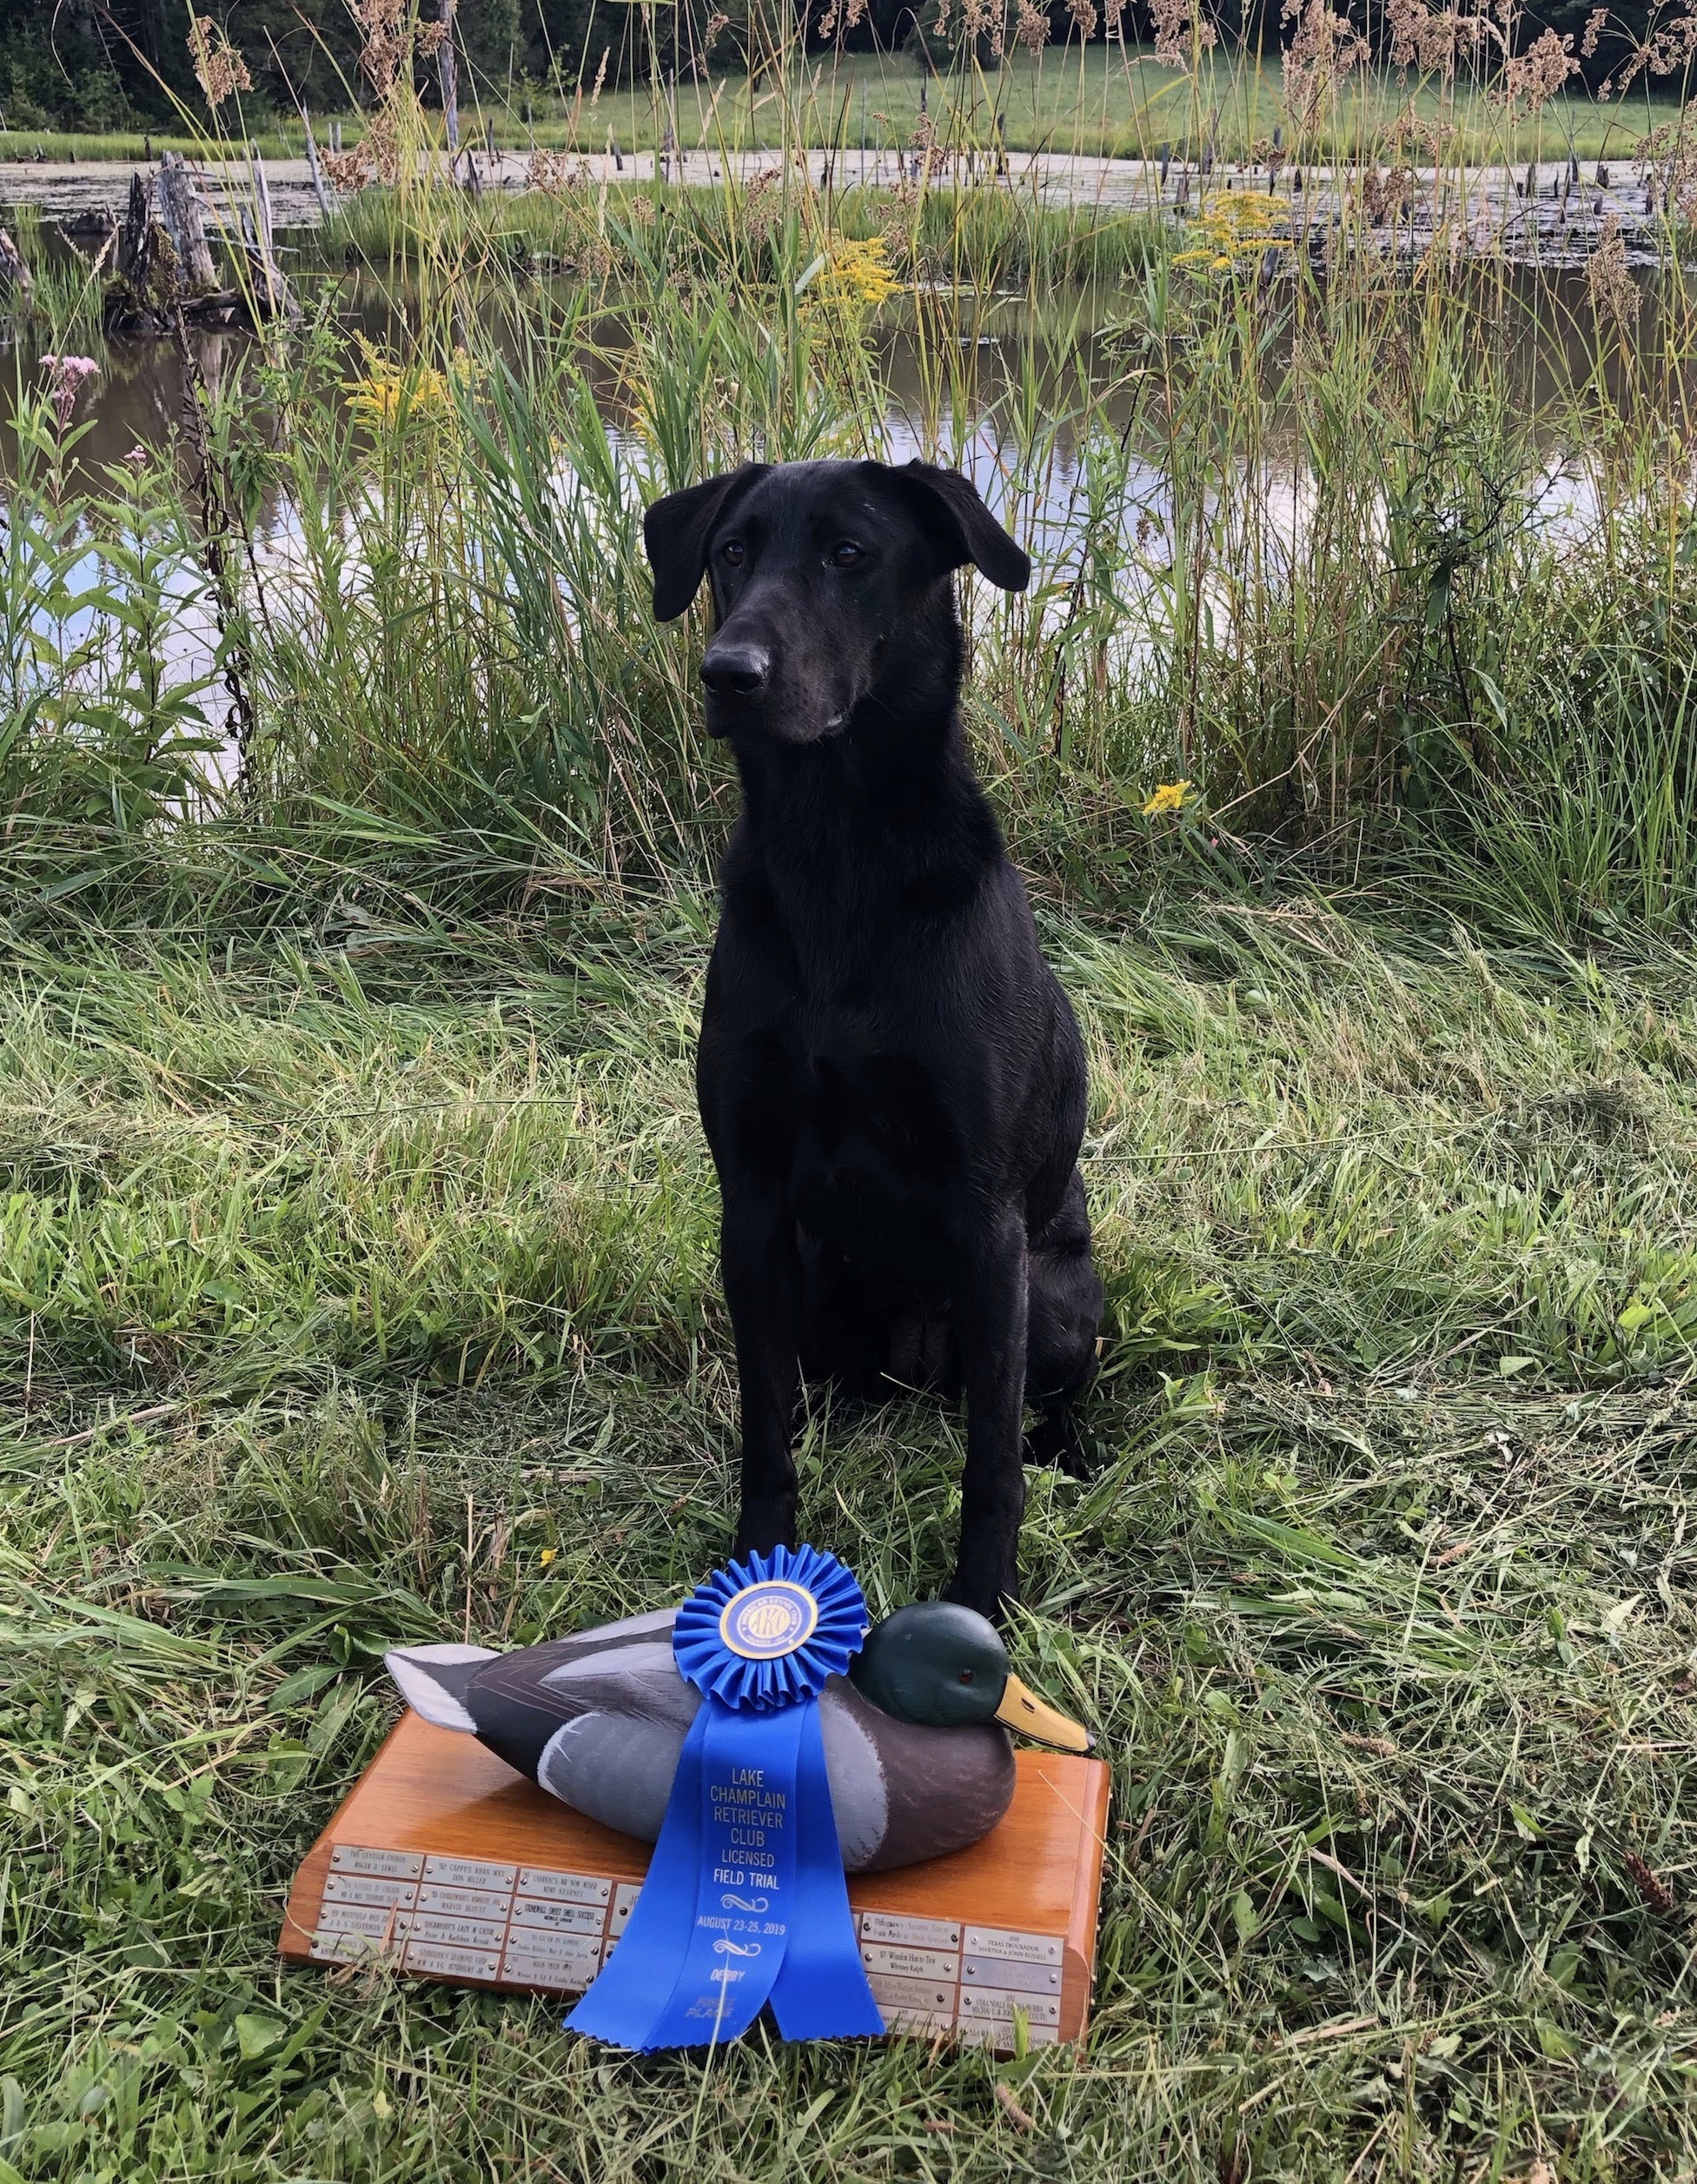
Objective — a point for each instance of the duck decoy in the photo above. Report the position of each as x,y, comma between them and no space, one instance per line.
915,1735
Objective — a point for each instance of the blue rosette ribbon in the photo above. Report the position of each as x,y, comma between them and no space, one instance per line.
744,1902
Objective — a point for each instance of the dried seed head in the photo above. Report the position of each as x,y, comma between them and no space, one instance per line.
219,69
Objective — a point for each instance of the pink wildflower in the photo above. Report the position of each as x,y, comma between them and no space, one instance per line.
65,376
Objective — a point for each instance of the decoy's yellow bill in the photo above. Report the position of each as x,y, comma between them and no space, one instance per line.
1026,1714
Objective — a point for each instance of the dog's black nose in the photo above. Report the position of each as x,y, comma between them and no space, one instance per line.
736,671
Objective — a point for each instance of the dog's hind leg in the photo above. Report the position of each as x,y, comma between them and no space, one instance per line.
1064,1320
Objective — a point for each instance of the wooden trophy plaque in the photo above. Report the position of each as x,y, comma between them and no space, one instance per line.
445,1864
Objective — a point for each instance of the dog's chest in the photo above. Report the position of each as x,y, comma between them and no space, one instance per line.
872,1151
860,1133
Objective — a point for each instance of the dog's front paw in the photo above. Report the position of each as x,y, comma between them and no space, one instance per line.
759,1530
989,1595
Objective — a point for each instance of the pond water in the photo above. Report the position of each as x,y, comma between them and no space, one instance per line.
975,352
983,355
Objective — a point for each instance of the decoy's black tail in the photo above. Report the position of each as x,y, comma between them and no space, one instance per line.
433,1679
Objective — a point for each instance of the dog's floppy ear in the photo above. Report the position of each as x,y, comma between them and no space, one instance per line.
675,529
965,526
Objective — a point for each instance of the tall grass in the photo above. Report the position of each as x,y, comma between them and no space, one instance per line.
1381,565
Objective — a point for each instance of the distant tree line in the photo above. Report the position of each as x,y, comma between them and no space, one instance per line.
79,64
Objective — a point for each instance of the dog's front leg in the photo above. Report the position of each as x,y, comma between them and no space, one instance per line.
763,1288
990,1316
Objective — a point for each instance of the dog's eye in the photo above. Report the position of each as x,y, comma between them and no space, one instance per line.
966,1675
732,551
846,556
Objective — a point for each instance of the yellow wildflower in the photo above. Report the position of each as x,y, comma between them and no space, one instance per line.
1169,797
855,277
389,390
547,1555
1233,224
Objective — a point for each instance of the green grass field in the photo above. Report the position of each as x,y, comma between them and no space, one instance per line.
364,1292
1089,100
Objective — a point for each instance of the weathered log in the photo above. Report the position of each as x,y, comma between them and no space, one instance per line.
318,188
180,209
16,282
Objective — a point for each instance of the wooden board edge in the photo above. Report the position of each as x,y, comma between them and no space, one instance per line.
307,1889
306,1898
1078,1956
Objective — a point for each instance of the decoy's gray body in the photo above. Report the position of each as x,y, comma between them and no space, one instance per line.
598,1720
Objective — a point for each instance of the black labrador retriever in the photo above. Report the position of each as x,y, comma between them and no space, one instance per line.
892,1081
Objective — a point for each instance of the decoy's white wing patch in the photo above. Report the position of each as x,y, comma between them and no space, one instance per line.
858,1794
425,1693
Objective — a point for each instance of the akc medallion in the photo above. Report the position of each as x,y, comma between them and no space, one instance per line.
763,1622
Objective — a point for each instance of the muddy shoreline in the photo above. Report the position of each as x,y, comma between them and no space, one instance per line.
1552,214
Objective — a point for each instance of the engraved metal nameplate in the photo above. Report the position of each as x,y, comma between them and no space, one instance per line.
398,1865
536,1926
1021,1948
906,1963
925,1933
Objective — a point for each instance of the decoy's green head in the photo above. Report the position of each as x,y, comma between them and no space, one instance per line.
945,1667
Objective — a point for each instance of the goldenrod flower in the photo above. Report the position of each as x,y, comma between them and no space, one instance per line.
1169,797
855,278
1233,224
387,391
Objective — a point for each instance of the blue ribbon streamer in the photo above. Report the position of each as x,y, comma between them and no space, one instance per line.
744,1901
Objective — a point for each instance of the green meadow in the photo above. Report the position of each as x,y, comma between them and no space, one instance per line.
1097,100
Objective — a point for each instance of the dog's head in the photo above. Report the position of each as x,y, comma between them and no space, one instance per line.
830,585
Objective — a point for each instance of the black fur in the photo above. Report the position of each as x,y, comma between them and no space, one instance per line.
892,1081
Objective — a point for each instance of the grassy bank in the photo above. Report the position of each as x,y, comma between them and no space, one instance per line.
980,241
359,1290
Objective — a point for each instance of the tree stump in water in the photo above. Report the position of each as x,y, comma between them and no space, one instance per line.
180,209
164,266
16,283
